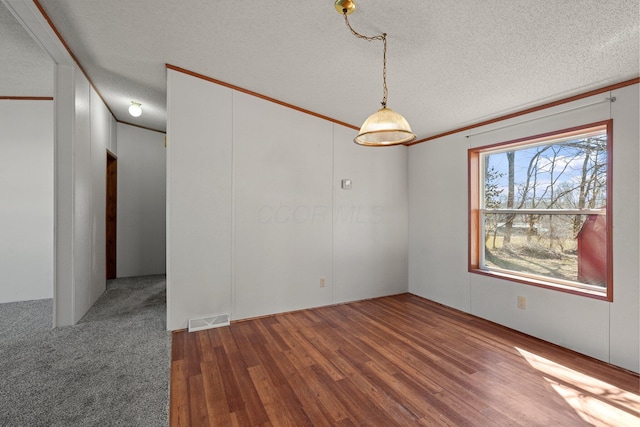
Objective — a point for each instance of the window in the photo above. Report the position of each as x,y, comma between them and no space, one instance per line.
540,210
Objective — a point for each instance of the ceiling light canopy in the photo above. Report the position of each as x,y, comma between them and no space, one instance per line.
341,5
384,127
135,109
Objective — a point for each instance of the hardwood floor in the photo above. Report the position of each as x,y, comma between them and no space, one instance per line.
392,361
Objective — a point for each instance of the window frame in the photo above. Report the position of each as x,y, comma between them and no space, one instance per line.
476,192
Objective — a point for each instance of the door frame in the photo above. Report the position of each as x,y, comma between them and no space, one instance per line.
111,216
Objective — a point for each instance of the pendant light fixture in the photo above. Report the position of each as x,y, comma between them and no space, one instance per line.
135,109
384,127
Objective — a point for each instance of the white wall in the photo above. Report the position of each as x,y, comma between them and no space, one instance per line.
256,216
82,206
83,131
624,317
141,225
83,135
199,168
282,180
370,220
26,197
102,139
438,237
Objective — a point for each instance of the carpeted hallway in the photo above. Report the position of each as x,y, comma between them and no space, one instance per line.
111,369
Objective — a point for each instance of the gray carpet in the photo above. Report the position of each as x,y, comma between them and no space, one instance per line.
111,369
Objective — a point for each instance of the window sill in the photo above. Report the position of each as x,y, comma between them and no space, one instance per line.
575,290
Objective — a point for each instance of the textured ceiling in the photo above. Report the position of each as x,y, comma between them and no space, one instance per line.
25,69
450,63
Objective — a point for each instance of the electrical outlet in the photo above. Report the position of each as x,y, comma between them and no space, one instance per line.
522,302
322,282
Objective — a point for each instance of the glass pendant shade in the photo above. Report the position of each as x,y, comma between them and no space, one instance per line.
135,109
383,128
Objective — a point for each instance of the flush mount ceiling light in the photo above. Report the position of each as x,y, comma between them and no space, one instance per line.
385,126
135,109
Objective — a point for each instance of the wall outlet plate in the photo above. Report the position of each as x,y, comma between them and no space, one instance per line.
346,184
522,302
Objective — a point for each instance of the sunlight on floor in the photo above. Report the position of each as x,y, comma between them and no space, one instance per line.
595,401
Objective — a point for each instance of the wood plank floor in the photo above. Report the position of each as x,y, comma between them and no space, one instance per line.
392,361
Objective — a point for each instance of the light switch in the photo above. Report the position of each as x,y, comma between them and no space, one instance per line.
346,184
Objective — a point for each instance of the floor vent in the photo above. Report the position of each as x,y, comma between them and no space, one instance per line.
208,322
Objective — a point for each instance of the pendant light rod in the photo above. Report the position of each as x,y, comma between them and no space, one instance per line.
383,37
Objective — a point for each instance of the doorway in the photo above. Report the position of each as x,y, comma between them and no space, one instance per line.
111,214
